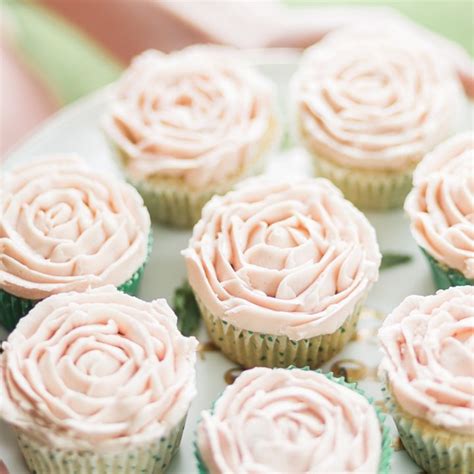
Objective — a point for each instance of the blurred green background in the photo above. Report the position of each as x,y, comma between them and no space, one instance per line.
452,18
75,65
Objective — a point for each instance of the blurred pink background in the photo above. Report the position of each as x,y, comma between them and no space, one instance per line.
24,100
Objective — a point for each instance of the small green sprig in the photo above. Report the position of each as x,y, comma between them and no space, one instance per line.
187,310
390,259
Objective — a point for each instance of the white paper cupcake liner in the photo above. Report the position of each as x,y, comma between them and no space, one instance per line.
367,189
433,448
173,206
178,206
173,203
253,349
150,458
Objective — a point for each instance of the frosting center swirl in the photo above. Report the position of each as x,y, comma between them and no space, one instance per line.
98,369
66,227
275,257
284,420
375,98
198,115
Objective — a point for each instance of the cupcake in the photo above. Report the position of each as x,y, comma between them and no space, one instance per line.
368,103
97,381
65,227
441,210
292,420
428,365
280,270
189,125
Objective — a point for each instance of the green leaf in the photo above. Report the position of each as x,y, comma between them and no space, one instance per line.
187,309
390,259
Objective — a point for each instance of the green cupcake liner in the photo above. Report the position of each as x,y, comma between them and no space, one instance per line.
12,307
386,455
150,458
434,449
443,276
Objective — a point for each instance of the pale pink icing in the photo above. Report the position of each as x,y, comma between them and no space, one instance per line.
66,227
289,421
97,370
280,257
200,115
428,346
441,204
376,97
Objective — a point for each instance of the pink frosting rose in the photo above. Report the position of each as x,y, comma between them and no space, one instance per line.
281,257
199,115
376,97
441,204
66,227
97,370
428,347
284,420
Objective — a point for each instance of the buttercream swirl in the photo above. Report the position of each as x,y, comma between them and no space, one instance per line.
441,204
289,258
294,420
66,227
199,115
428,347
97,370
375,97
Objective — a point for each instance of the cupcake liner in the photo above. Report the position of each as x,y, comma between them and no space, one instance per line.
149,458
445,277
253,349
12,307
367,189
176,205
386,454
433,448
173,203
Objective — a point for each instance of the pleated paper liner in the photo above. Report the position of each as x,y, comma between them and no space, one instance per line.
366,189
177,205
12,307
386,454
149,458
253,349
445,277
173,203
433,448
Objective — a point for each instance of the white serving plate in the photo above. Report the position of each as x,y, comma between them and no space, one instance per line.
77,129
